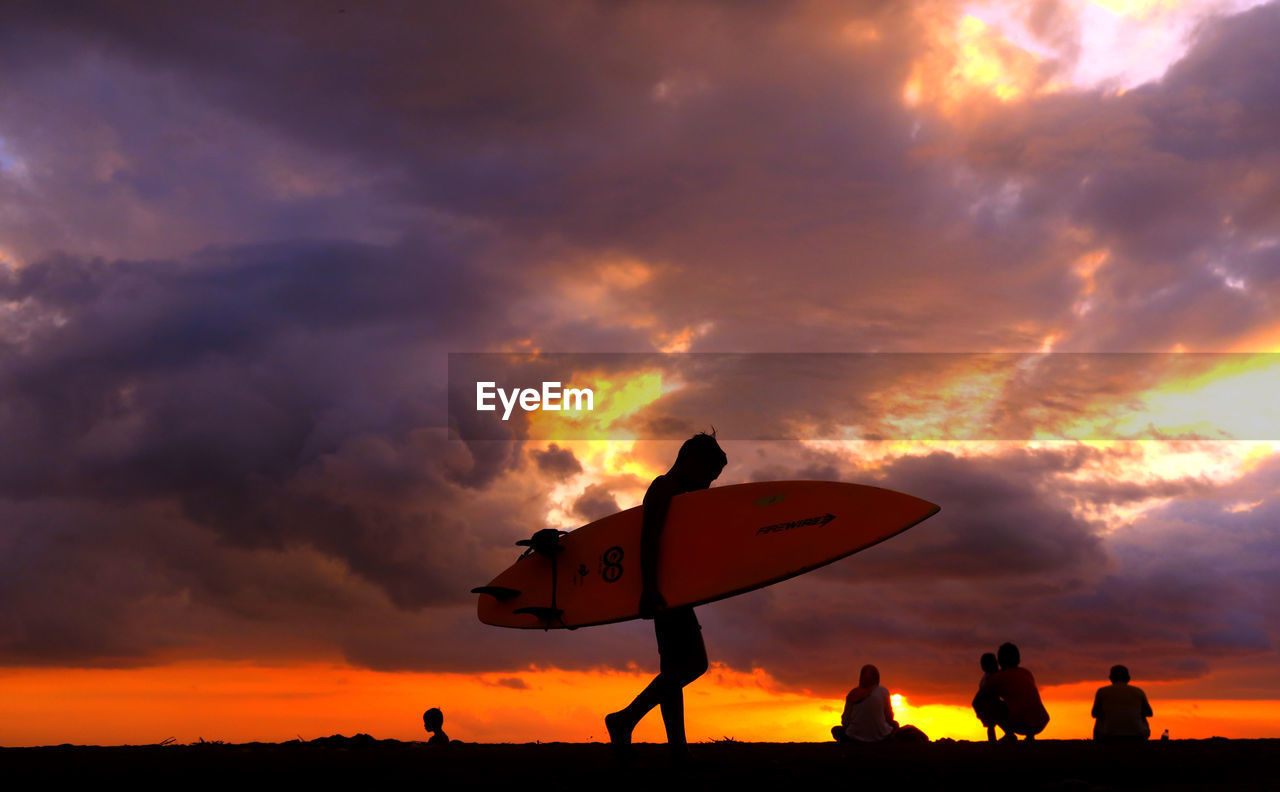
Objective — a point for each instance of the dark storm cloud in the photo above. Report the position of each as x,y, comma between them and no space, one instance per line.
709,139
1219,100
595,502
87,583
107,157
1001,519
727,143
277,397
557,461
165,375
505,109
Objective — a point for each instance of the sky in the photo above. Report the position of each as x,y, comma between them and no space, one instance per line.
240,241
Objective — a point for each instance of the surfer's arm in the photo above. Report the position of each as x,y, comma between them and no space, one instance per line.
656,503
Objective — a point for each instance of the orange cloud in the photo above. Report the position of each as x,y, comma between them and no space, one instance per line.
966,61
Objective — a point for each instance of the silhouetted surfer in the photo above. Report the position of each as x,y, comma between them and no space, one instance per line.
682,654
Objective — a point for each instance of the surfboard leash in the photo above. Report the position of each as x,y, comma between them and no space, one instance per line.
546,543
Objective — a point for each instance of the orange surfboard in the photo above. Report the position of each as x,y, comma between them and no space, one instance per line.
715,543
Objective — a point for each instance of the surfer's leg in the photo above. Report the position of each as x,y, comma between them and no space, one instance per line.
684,659
621,723
682,654
673,720
649,698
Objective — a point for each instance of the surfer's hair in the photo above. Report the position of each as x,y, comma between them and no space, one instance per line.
1119,674
1009,655
704,447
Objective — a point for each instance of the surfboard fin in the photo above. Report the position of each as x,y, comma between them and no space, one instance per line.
543,613
501,593
545,543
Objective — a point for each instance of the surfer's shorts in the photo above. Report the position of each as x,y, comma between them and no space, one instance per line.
680,648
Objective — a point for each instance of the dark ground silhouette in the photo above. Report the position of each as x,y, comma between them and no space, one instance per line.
1040,765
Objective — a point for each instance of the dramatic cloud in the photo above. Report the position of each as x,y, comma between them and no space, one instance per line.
559,462
596,502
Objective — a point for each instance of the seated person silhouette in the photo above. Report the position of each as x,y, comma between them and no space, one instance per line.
1016,688
433,721
986,705
1121,710
681,653
868,714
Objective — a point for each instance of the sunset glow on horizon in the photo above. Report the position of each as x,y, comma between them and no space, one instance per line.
245,702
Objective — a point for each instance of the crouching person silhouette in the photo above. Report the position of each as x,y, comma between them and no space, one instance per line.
681,652
1015,687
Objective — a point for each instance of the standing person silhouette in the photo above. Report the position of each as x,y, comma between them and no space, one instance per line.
681,652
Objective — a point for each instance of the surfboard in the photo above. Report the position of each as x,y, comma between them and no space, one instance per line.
716,543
